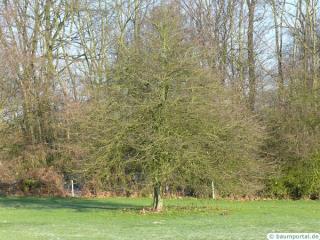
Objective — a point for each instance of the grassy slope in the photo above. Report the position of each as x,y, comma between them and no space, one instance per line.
120,218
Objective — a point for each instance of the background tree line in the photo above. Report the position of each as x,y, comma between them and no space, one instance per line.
129,95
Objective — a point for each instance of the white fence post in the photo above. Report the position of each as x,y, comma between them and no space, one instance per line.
213,194
72,189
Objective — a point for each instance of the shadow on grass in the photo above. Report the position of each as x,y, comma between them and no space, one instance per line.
68,203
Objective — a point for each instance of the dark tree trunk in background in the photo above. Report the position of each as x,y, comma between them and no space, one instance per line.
251,58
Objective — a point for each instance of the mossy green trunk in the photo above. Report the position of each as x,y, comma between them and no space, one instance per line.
157,201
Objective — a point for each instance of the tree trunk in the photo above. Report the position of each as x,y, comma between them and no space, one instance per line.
157,201
251,58
278,39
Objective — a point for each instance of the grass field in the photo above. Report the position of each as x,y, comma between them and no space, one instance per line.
121,218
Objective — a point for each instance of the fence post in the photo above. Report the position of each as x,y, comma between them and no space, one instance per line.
72,189
212,186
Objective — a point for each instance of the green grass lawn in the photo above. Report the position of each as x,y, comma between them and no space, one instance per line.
122,218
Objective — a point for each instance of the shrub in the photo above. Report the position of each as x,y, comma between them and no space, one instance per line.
42,181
